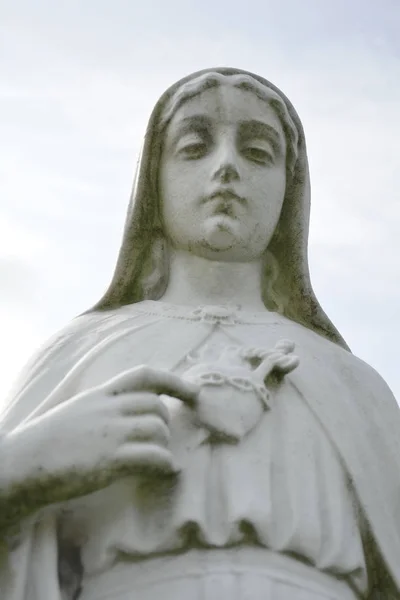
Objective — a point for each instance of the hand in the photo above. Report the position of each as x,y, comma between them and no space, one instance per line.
279,361
105,433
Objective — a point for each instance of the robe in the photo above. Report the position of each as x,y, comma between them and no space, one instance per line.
348,411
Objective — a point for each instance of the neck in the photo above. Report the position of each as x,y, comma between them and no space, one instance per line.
195,281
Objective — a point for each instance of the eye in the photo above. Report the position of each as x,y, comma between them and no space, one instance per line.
258,155
193,150
192,146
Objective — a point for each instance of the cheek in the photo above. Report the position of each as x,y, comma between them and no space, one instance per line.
180,188
177,207
269,193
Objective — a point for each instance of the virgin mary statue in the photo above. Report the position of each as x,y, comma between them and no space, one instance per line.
203,431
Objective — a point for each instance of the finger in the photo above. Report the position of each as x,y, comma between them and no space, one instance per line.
143,403
262,354
131,458
267,365
154,380
285,346
286,364
148,428
282,363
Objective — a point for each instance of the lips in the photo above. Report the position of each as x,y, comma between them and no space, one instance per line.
224,201
226,194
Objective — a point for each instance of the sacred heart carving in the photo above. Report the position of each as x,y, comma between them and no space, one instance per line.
235,390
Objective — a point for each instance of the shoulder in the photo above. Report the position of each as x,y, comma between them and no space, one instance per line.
68,341
80,334
347,368
352,368
368,381
54,359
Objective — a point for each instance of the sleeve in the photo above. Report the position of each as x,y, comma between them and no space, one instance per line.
30,566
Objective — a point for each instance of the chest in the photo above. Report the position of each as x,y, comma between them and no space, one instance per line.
178,347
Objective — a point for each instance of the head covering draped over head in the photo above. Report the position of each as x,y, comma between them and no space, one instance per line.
291,294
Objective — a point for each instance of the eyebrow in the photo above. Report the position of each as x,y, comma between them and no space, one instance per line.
251,128
261,130
201,123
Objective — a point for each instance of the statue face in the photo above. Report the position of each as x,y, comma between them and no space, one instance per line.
223,175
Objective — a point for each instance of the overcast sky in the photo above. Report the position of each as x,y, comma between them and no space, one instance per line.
78,81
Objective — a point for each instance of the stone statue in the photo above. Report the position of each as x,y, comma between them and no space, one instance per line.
203,432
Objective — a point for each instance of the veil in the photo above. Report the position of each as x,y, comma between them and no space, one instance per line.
293,293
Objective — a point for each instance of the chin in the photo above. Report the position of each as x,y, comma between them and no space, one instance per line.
225,239
221,246
222,231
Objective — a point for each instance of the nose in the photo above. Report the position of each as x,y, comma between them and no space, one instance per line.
226,168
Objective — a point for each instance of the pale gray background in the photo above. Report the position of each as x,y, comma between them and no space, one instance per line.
77,82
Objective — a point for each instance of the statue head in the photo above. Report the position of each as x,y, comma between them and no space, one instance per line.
223,173
224,166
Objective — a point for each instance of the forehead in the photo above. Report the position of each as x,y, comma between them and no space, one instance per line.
227,105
